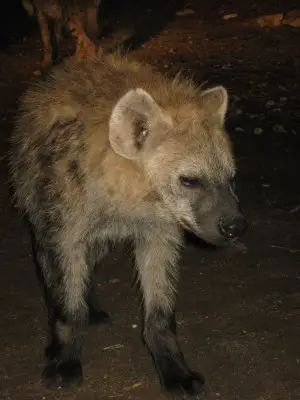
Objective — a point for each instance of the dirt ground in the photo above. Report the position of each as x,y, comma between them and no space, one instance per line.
238,308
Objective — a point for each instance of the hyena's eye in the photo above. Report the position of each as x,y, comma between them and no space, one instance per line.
190,182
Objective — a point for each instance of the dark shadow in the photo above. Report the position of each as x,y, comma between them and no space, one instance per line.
195,241
15,24
145,18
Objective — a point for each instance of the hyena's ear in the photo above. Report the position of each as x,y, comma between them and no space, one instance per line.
215,102
137,124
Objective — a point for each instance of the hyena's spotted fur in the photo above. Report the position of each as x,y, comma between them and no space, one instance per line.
107,150
80,17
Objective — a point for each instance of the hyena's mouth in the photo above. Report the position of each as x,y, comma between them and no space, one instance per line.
187,226
213,239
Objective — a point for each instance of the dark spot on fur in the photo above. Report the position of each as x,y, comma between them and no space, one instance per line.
73,166
75,171
152,197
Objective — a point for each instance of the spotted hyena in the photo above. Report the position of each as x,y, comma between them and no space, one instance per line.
80,17
107,150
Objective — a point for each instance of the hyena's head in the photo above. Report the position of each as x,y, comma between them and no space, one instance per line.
186,154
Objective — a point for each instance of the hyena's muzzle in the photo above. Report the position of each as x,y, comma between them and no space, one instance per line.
232,223
218,217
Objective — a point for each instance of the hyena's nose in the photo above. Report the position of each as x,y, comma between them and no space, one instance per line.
234,228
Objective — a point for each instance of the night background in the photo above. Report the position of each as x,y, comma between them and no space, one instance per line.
238,308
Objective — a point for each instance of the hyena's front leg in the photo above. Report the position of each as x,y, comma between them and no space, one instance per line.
66,280
156,258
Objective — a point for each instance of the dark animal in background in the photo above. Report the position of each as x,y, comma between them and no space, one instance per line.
80,17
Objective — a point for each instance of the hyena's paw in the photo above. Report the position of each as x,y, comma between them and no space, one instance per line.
98,317
59,373
182,383
190,386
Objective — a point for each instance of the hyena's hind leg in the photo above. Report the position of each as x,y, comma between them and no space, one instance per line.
156,258
69,297
55,27
58,31
67,315
66,280
45,37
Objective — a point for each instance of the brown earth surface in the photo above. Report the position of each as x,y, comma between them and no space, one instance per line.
238,308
